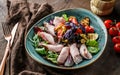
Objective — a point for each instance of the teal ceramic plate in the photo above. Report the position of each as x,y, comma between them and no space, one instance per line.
96,22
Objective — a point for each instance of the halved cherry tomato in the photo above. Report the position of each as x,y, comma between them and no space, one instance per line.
118,25
116,39
78,31
113,31
108,23
117,47
73,20
119,33
89,29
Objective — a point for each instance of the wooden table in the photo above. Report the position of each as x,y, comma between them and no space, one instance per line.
107,64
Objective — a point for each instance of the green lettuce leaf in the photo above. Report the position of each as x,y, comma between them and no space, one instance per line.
93,50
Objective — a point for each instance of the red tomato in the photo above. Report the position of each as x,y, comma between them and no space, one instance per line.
119,33
113,31
68,27
78,31
118,25
73,20
117,47
116,39
108,23
89,29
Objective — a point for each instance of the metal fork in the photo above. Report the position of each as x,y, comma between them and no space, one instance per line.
7,35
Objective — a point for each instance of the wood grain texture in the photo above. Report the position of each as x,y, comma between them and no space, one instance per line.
107,64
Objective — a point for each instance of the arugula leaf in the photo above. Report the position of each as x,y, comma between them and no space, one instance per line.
52,56
41,51
53,60
35,40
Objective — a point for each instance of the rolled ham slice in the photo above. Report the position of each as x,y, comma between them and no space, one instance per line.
57,20
49,28
63,55
47,37
69,61
84,52
54,48
75,53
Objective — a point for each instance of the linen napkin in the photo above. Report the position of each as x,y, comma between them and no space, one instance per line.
26,14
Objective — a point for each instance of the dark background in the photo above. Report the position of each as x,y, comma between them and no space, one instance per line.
107,64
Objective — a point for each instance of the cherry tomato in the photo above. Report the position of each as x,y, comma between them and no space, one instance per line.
117,47
119,33
118,25
78,31
89,29
73,20
116,39
108,23
113,31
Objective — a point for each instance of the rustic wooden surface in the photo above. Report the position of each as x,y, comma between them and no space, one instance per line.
107,64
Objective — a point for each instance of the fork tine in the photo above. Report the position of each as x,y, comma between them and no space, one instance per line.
6,29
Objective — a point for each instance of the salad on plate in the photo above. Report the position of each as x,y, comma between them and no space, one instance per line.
65,40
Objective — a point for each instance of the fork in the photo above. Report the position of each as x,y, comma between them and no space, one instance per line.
7,35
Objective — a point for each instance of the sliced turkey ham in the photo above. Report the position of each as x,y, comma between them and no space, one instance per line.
63,55
47,37
75,53
54,48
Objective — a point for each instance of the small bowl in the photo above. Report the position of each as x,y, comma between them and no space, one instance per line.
80,13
